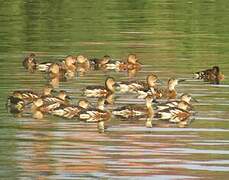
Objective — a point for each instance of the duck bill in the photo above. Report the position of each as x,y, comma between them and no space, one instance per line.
159,81
194,99
68,97
181,80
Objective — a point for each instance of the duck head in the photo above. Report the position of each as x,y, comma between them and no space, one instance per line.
47,90
54,68
70,61
215,69
152,79
172,82
63,95
105,59
81,59
132,59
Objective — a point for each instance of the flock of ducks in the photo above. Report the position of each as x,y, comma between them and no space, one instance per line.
160,102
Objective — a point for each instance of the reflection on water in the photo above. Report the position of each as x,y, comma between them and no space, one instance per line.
171,39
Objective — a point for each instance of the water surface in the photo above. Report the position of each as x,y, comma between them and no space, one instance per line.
171,38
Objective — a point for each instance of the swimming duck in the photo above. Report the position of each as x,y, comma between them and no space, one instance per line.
70,111
212,75
61,98
173,114
83,64
30,96
135,86
30,62
132,112
101,91
100,63
57,71
132,62
183,103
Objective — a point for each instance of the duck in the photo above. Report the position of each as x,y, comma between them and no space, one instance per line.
173,114
70,111
135,86
101,91
57,71
30,63
132,62
61,98
133,112
183,103
100,63
213,75
83,64
30,95
96,114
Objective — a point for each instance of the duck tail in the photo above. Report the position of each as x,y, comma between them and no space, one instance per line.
199,75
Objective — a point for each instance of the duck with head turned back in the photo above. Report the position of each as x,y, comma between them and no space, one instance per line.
83,64
132,62
212,75
101,91
100,63
30,63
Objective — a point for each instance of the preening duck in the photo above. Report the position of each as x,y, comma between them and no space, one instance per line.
101,91
212,75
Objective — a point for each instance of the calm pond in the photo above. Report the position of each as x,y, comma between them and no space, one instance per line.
171,39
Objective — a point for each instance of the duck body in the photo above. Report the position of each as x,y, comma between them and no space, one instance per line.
135,86
26,95
100,91
44,66
212,75
173,114
67,111
131,86
130,112
94,115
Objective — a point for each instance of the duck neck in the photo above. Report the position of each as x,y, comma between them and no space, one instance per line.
171,87
110,87
149,108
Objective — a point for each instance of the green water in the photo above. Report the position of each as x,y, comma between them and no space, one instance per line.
171,38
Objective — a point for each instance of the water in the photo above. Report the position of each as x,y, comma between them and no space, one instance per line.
171,38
